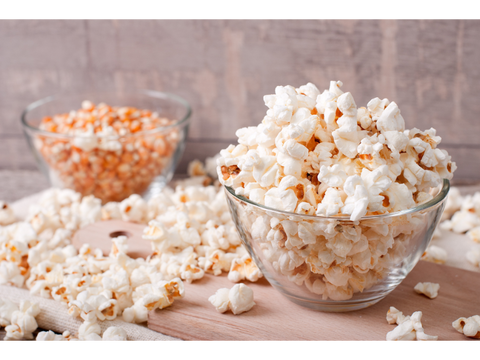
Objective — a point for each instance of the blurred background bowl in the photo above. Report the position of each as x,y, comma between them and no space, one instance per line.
142,162
332,263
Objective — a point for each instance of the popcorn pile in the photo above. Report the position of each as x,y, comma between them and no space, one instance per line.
317,154
106,151
190,230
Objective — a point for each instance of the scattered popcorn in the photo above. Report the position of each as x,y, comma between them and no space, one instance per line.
409,327
473,256
467,218
22,322
149,297
238,299
109,152
474,234
468,326
453,203
395,316
435,254
114,333
7,216
49,337
428,289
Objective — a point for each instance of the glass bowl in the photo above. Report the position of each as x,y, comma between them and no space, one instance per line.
116,166
332,263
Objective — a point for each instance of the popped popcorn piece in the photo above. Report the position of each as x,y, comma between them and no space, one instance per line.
409,327
90,329
7,308
468,326
435,254
149,297
238,299
22,322
453,203
114,333
473,256
474,234
220,300
428,289
7,216
11,274
51,336
133,208
244,268
395,316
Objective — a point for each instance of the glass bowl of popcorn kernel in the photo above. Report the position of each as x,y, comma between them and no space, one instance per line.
108,144
332,263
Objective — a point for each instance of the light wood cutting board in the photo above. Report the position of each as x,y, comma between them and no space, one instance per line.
276,318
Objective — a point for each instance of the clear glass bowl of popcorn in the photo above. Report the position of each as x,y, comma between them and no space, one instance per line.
116,143
332,263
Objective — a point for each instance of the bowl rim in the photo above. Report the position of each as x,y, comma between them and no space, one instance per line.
442,194
150,93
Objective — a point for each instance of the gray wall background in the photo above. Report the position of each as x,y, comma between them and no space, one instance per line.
223,68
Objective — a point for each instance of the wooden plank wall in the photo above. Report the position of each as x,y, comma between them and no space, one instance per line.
223,68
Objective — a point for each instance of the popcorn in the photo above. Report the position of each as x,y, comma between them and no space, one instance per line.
90,329
409,327
238,299
474,234
133,209
114,333
7,308
428,289
324,147
7,216
149,297
51,336
23,322
10,274
244,268
395,316
468,326
220,300
435,254
473,256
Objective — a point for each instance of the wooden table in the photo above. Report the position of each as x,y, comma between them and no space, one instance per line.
195,314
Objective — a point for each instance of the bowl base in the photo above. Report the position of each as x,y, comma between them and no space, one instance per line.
332,306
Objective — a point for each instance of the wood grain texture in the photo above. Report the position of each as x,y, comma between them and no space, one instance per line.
223,68
274,317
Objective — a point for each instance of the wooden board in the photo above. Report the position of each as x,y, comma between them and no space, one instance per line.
276,318
100,234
